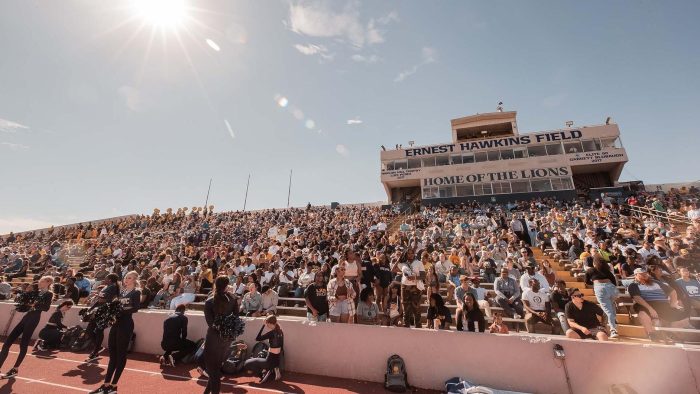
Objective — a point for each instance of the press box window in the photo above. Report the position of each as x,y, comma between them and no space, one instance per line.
573,147
554,149
520,153
591,145
456,159
507,154
446,191
481,157
541,185
429,162
520,186
430,192
501,187
442,160
494,155
414,163
534,151
465,190
400,165
468,158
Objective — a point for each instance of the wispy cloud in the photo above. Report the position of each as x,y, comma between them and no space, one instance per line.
14,147
317,20
365,59
230,129
357,120
342,150
312,49
428,56
8,126
554,100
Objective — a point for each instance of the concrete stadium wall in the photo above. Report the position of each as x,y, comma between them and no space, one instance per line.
520,362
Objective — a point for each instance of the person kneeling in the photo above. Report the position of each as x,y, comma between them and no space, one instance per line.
52,333
175,337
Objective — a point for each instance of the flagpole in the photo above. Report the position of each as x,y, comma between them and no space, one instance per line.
289,192
208,190
245,200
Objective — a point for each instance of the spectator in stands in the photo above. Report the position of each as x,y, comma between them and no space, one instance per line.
548,272
382,279
413,273
340,295
605,289
537,307
71,290
691,290
654,301
270,300
316,299
84,285
185,293
473,315
367,310
559,298
460,292
530,273
5,290
498,327
175,337
394,310
439,316
586,319
306,277
508,294
252,301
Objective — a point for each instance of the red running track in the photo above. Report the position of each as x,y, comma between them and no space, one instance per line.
65,372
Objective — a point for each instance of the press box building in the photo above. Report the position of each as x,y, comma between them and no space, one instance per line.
489,160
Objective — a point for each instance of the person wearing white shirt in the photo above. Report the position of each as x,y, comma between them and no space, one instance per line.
443,267
537,307
646,250
286,279
693,212
305,279
412,287
381,226
531,274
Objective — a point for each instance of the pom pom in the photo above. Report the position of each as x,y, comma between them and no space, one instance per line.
229,326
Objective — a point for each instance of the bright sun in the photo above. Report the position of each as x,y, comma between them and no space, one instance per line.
161,13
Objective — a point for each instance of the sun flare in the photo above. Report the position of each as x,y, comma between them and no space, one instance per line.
161,13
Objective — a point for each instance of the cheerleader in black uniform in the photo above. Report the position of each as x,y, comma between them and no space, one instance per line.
97,335
216,348
120,334
268,367
51,334
41,302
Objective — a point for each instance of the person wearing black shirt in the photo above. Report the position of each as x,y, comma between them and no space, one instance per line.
266,367
582,316
25,328
473,314
316,299
175,336
51,334
121,333
605,289
72,291
559,298
382,279
107,294
216,348
439,317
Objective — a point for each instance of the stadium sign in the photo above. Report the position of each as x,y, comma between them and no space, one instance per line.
531,173
505,142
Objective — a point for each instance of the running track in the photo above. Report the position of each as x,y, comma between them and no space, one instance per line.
65,372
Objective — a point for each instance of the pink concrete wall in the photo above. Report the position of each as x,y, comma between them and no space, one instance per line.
513,362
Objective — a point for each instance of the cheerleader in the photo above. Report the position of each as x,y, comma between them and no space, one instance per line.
51,334
120,334
216,346
266,367
40,302
106,295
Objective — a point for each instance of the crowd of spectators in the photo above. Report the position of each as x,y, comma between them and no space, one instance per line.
346,265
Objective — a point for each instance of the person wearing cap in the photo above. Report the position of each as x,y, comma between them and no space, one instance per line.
508,294
654,302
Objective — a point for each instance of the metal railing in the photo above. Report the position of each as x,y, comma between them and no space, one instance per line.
643,213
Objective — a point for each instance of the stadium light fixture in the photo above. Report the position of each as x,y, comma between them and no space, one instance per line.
608,120
411,142
569,123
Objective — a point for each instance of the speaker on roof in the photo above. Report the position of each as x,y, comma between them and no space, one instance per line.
334,205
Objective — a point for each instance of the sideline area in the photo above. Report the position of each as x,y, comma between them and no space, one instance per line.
522,362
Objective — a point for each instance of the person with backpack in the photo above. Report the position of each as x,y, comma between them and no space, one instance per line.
175,337
41,302
266,367
106,295
52,333
216,347
121,333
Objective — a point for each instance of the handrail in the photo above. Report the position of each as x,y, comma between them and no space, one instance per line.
658,215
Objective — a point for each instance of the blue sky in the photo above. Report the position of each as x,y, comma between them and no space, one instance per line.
103,113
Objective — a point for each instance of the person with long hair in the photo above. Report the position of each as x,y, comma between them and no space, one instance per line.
266,367
96,334
605,289
216,347
439,317
40,301
51,334
341,295
121,333
473,314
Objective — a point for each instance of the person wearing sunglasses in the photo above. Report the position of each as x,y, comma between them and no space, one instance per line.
586,319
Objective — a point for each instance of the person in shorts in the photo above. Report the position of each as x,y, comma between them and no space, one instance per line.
586,319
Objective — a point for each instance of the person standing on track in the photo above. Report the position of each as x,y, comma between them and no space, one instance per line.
106,295
217,348
27,325
120,334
